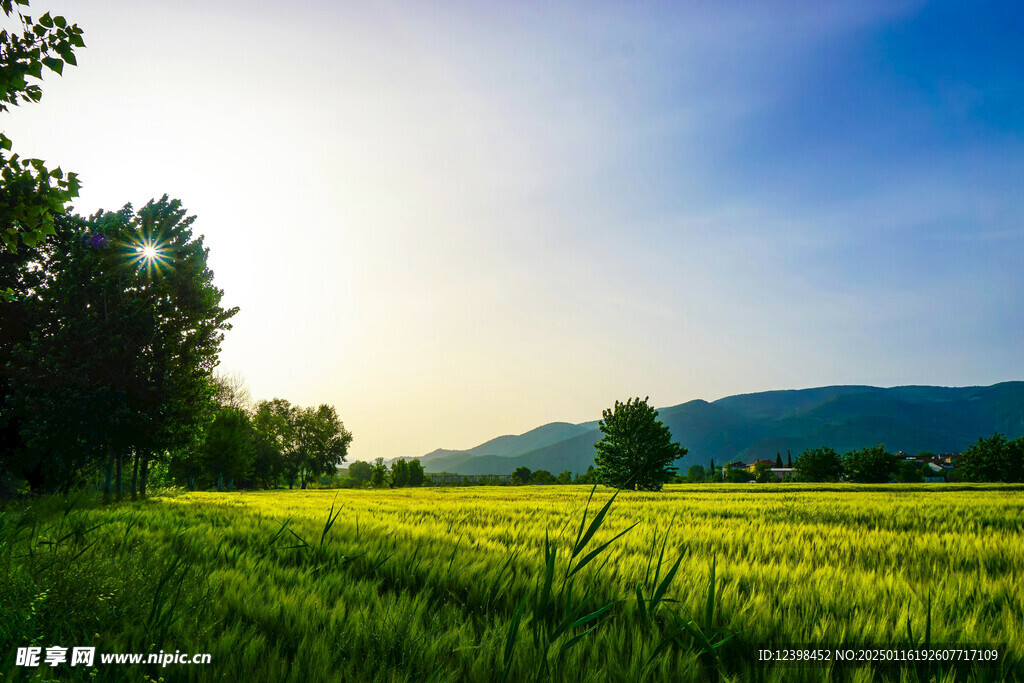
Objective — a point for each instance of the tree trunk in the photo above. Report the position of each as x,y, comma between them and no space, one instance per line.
110,472
143,470
118,481
135,474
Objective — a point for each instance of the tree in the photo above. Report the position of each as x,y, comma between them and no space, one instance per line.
228,450
819,464
360,471
379,475
522,475
542,477
910,472
993,459
778,459
763,471
872,465
31,196
126,334
736,475
399,473
230,392
416,473
637,450
564,477
321,442
789,459
587,477
695,474
273,424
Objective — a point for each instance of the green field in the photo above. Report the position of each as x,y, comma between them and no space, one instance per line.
453,584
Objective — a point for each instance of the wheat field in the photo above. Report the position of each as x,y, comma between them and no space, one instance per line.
516,583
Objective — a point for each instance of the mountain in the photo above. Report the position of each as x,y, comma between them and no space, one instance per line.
748,427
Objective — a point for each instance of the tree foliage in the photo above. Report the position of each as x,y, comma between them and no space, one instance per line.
542,477
228,450
31,195
120,349
873,465
321,442
818,465
762,472
522,475
637,450
360,471
416,473
379,474
399,473
993,459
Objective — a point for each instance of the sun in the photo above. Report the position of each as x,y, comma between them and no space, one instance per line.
149,255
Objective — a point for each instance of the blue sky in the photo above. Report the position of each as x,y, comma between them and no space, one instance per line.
456,220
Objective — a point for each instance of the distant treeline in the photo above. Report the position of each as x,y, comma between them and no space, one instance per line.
992,459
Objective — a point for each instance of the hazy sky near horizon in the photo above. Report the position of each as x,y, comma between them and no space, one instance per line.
458,220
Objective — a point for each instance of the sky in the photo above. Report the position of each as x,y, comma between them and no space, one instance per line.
458,220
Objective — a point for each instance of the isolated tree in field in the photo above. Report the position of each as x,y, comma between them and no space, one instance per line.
416,473
522,475
695,474
819,464
399,473
637,450
378,478
763,472
564,477
360,471
873,465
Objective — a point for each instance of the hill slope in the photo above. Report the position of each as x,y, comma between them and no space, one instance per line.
752,426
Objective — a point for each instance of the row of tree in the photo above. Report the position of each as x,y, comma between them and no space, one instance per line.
263,446
109,341
402,473
992,459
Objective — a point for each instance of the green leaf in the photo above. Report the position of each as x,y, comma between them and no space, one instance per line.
60,21
660,592
594,525
54,64
640,606
597,551
68,56
46,21
510,639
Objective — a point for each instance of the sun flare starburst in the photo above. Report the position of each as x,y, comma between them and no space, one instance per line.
148,254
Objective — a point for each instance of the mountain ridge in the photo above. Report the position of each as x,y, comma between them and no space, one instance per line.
760,425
